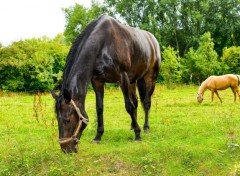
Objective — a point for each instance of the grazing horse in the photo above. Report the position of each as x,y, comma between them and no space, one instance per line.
106,52
214,83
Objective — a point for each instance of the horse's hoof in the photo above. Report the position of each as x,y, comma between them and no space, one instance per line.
96,141
146,130
139,139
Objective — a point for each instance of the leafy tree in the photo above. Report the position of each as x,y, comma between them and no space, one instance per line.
47,63
78,17
231,57
12,61
202,62
33,64
170,69
180,23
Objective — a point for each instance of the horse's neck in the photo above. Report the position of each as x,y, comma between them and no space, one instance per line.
202,88
77,82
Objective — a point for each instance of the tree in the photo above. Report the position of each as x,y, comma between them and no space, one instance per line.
180,23
12,65
202,62
170,69
33,64
231,58
78,17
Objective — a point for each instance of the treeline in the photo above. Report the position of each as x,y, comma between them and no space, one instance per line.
32,65
198,38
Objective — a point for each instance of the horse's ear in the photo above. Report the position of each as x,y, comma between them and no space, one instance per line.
54,95
67,96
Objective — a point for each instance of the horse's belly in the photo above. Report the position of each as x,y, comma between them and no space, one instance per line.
108,75
219,86
113,76
108,71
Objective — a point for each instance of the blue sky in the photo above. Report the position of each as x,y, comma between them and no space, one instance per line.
22,19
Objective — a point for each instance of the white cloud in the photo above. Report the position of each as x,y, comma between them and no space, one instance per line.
21,19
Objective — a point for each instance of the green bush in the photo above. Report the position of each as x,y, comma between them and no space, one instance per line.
231,58
34,64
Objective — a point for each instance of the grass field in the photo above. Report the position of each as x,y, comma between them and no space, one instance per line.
185,138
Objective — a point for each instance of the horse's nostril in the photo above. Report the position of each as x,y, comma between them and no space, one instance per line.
76,149
70,150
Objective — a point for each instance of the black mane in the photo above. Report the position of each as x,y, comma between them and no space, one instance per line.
72,53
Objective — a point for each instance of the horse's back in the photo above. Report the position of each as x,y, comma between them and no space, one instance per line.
125,49
222,82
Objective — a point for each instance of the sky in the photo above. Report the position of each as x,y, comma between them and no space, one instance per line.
25,19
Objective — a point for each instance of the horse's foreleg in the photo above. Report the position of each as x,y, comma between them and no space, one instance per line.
130,103
212,95
218,96
99,92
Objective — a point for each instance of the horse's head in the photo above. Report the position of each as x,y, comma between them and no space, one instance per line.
69,122
199,98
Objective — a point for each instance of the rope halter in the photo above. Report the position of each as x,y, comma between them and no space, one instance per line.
76,131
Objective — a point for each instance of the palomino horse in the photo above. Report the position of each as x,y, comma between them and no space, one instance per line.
214,83
106,52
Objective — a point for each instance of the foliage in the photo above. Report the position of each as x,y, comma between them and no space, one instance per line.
202,62
195,29
231,57
170,69
185,138
33,64
78,17
180,23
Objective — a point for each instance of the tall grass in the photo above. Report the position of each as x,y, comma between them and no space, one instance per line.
185,138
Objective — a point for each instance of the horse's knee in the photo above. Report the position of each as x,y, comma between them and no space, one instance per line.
130,108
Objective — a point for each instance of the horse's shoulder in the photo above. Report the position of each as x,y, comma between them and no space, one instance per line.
211,78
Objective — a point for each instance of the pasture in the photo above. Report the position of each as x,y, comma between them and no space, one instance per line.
185,138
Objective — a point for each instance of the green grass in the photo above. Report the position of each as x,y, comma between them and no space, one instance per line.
185,138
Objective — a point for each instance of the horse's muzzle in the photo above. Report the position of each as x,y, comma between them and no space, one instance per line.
70,147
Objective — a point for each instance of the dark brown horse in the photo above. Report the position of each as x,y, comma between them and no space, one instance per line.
106,52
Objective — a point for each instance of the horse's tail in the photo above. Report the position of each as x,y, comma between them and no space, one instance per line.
141,89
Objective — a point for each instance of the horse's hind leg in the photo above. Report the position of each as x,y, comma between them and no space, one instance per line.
218,95
130,103
238,92
99,91
146,87
134,99
234,93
